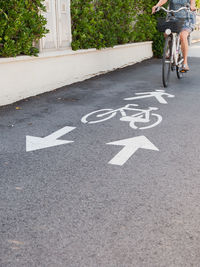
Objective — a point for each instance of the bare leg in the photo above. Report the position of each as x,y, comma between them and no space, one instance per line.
184,45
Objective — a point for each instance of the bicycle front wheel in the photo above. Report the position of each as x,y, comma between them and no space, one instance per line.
99,116
180,64
166,61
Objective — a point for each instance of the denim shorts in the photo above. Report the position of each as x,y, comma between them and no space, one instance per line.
189,24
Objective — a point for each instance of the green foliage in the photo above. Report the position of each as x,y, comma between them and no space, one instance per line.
105,23
21,25
198,3
101,23
146,26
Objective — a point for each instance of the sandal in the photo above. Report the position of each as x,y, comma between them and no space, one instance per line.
184,68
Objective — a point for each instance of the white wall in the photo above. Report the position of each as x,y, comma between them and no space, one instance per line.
26,76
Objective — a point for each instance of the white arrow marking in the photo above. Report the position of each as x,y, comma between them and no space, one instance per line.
36,143
131,145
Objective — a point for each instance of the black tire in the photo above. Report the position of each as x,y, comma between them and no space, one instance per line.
179,67
178,73
166,61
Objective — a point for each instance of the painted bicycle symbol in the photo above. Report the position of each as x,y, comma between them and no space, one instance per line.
140,116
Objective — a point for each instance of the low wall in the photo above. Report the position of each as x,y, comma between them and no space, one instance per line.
26,76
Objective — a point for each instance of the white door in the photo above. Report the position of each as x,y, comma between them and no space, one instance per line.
59,24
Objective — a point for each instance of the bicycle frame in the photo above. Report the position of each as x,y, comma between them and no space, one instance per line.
175,36
172,56
175,49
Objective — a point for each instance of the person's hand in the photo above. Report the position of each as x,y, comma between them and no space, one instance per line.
154,9
193,7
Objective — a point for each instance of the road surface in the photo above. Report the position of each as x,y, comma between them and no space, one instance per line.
121,189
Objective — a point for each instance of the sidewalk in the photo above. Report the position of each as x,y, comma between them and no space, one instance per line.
194,50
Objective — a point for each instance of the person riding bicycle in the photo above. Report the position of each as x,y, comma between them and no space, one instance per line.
188,26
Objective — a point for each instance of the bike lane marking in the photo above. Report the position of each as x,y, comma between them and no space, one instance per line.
131,145
158,94
140,116
35,143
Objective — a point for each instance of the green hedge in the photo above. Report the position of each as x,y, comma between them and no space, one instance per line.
101,23
97,23
105,23
21,25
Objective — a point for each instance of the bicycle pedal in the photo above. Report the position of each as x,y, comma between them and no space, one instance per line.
184,71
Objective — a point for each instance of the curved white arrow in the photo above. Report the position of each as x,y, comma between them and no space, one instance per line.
36,143
131,145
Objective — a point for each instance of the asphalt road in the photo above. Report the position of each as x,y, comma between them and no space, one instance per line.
76,204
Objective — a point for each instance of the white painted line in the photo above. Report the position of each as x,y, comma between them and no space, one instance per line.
131,145
35,143
158,94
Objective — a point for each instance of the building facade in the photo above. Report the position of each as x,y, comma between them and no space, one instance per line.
59,24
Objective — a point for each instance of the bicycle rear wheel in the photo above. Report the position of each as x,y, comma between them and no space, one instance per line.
166,61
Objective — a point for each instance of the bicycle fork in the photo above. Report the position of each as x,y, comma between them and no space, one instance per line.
178,61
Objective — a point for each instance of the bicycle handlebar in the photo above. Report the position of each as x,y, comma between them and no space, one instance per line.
174,11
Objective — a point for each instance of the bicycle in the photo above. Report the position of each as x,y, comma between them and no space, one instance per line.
141,116
172,53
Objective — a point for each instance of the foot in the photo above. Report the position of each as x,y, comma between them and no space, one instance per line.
185,68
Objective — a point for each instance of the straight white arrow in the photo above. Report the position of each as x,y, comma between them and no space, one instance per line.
131,145
36,143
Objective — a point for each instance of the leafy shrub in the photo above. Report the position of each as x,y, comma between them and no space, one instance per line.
105,23
146,26
95,23
101,23
21,24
